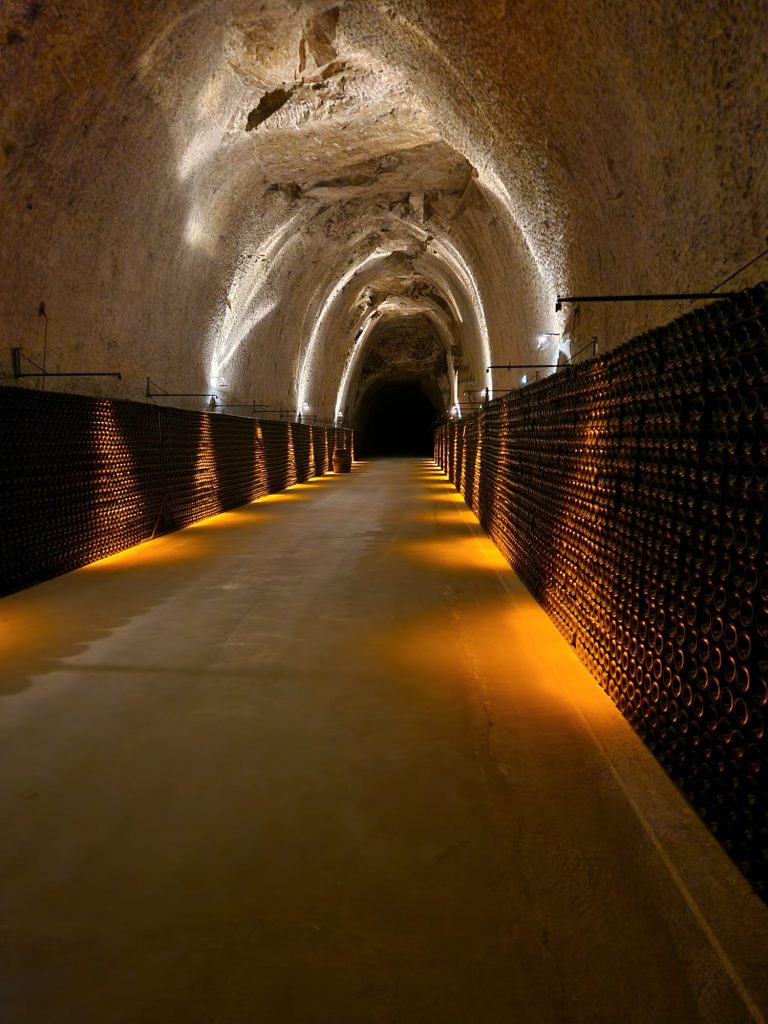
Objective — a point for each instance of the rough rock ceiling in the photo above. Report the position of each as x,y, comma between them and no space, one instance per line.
407,346
230,195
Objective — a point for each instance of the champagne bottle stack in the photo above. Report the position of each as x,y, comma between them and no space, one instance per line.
79,481
82,477
629,493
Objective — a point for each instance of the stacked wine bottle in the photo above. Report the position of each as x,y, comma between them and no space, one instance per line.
629,493
82,478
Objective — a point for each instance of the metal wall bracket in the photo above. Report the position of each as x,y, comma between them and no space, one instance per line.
162,393
18,355
676,297
242,405
522,366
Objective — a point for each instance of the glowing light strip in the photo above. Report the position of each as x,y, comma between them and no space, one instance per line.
453,257
491,180
234,329
341,394
306,365
200,150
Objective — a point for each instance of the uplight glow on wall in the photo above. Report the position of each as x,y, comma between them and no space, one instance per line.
445,253
373,317
307,363
246,306
548,271
450,254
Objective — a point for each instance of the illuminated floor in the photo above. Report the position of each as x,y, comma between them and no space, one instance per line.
324,760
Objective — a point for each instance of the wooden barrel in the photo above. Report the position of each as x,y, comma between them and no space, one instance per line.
342,460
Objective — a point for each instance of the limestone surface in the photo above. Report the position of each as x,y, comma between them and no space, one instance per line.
286,202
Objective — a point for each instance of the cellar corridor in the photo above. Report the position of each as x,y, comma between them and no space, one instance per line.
323,759
396,418
282,746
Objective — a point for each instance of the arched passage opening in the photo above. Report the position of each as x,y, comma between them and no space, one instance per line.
395,417
401,388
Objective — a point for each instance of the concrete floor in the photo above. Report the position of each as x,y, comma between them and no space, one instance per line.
323,759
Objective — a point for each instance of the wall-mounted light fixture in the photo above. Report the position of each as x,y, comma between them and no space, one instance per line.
486,392
545,336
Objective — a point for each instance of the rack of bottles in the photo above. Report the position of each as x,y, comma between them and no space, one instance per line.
629,494
82,478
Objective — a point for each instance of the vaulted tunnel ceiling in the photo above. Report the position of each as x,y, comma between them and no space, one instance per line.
285,201
404,349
